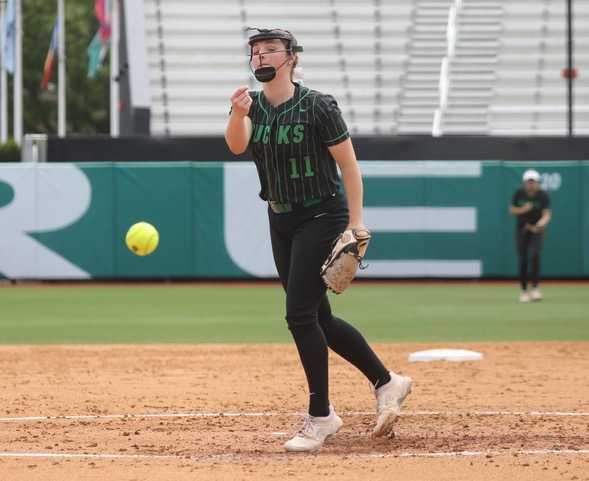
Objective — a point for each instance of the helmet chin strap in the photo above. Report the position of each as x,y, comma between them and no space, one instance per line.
282,64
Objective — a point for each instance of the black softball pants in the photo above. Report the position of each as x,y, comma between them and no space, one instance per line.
301,240
529,247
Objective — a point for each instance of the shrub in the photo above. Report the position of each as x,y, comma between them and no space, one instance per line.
10,151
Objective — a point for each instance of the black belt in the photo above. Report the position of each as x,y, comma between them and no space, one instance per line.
286,207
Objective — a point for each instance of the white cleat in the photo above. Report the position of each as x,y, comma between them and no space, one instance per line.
524,296
535,295
314,432
389,399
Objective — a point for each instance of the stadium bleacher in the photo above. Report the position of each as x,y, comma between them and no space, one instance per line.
382,61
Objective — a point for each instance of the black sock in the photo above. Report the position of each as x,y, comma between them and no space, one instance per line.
312,347
346,340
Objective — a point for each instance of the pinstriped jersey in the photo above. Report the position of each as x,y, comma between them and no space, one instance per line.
289,144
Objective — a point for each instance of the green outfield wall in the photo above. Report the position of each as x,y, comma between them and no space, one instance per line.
429,219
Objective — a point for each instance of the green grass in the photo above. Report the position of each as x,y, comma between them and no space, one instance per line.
198,314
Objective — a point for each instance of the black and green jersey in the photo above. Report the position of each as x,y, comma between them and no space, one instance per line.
289,145
540,201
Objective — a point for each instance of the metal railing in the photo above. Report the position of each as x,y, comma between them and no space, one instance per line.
444,84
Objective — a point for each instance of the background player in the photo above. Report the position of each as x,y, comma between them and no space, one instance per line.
297,138
531,205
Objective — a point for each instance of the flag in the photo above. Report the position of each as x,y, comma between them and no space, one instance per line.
50,59
9,32
102,9
96,52
98,47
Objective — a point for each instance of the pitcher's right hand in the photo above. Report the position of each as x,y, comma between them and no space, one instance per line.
241,101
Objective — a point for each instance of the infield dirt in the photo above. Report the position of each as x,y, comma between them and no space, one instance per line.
521,413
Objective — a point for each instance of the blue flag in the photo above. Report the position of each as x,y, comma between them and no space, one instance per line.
9,37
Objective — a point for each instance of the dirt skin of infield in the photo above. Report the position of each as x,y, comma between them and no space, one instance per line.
516,414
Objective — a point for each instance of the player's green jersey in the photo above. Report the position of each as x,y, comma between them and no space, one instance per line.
289,145
540,201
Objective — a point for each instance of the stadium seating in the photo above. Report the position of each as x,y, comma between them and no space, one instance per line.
382,60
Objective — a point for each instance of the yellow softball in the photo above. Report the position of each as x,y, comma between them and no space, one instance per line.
142,238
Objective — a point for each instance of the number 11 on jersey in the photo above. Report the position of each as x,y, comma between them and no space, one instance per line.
294,171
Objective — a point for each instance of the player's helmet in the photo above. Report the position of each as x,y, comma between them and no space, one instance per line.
274,33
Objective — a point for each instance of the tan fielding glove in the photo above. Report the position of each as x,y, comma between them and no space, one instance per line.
340,267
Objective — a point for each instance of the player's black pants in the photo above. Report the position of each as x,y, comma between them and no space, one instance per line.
529,246
301,240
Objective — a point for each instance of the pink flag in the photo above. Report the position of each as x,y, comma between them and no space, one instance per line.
102,10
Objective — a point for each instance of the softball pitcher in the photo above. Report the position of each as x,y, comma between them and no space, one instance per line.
298,138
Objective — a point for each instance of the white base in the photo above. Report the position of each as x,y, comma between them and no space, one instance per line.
455,355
